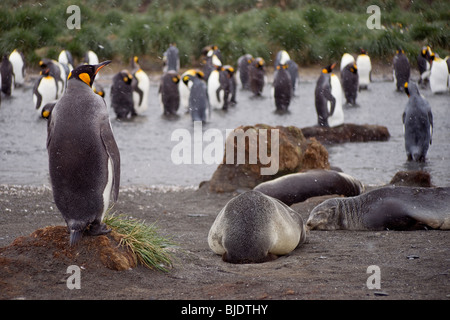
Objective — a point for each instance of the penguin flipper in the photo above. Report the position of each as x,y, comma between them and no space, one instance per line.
113,152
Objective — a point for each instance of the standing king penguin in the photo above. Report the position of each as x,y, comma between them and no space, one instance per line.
122,95
45,90
438,74
169,93
257,76
141,87
364,66
7,76
417,124
328,99
18,62
350,81
402,69
199,106
84,159
282,86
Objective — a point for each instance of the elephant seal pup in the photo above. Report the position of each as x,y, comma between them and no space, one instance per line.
297,187
254,228
393,208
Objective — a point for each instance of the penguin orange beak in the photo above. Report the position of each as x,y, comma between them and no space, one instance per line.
333,65
101,65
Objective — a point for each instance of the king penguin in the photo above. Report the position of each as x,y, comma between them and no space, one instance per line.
45,90
423,64
141,87
282,85
122,95
243,66
345,60
199,106
364,66
350,82
257,76
417,124
84,160
169,93
402,69
185,90
18,62
291,66
171,59
7,76
438,74
216,95
56,71
328,99
65,58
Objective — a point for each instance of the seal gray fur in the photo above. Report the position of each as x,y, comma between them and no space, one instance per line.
254,228
297,187
393,208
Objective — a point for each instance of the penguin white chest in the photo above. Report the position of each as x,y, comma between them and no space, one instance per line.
364,66
108,188
337,118
48,90
213,86
439,76
141,102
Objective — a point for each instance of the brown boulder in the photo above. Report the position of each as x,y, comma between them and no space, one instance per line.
296,153
412,179
347,132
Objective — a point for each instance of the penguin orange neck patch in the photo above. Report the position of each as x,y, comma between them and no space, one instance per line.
85,78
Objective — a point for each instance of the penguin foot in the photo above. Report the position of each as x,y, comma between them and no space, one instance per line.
97,229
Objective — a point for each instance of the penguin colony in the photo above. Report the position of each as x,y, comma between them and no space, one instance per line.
84,183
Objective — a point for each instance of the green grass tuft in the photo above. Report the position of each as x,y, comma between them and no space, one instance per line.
149,248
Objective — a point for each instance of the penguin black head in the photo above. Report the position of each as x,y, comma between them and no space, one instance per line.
354,68
329,68
87,72
362,51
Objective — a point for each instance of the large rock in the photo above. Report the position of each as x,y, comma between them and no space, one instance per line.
296,153
348,132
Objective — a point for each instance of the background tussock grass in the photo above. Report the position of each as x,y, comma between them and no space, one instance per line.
313,32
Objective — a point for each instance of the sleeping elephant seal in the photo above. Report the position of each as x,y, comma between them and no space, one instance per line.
297,187
393,208
253,228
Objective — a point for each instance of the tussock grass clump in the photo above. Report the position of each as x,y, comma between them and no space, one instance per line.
143,240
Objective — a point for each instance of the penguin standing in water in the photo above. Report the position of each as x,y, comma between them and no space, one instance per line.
282,85
423,63
243,66
328,99
45,90
257,74
169,93
199,106
417,124
18,63
218,94
7,76
283,58
402,69
171,59
185,90
230,78
84,160
350,83
364,66
438,74
122,95
141,87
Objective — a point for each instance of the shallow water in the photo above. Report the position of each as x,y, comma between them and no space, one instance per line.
145,142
